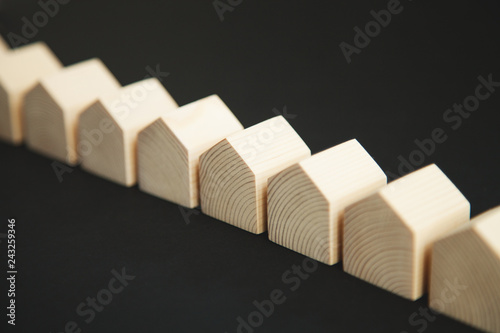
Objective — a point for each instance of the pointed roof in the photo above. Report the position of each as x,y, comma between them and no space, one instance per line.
334,169
268,146
134,106
21,68
79,84
197,124
423,197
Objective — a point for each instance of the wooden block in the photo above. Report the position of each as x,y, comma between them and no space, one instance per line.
108,129
52,108
234,173
465,273
3,45
388,235
169,149
306,201
20,70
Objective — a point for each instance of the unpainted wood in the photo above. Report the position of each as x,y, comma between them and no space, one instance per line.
52,108
388,235
234,173
465,273
169,149
306,201
108,129
20,70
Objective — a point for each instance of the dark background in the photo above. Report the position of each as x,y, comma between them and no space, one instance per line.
199,274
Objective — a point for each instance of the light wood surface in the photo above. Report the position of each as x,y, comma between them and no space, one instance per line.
20,70
108,129
465,273
306,201
3,45
388,235
169,149
234,173
53,107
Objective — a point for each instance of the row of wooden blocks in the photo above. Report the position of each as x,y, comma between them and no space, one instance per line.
410,237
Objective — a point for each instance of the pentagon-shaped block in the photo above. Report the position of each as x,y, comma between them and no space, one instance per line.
169,149
465,273
108,129
234,173
20,71
53,106
388,235
306,201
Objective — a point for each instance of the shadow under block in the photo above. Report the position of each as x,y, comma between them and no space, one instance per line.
20,71
465,273
306,201
388,236
53,106
108,129
169,149
234,173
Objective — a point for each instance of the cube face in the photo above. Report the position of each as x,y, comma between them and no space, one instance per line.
401,222
164,166
228,189
465,273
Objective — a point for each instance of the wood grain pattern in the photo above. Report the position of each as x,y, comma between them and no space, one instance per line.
306,201
465,273
53,106
234,173
169,149
20,70
388,236
108,129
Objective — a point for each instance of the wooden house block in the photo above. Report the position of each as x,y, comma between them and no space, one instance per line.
388,235
306,201
465,273
53,106
108,129
20,70
3,45
234,173
169,149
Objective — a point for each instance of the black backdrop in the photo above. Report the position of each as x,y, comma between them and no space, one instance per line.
196,274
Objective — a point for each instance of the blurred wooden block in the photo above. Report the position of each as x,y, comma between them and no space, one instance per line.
306,201
234,173
20,70
3,45
108,129
465,273
52,108
170,148
388,235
